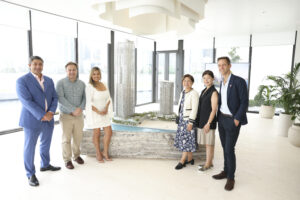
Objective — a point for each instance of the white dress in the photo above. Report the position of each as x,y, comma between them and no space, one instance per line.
99,100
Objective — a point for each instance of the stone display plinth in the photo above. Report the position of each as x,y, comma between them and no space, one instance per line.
166,97
127,144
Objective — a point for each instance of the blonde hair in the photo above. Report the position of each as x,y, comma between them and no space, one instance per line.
91,81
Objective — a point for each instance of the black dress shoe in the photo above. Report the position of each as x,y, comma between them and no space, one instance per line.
33,181
49,168
190,162
180,166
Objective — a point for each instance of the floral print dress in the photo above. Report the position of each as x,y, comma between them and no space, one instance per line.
185,140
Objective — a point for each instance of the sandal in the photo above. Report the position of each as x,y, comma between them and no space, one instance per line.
204,168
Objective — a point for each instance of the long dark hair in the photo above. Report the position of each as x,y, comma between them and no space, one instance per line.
91,81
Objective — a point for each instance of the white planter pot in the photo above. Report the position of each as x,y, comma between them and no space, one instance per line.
284,123
267,111
294,135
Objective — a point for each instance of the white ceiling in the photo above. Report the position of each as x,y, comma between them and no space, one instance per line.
238,17
222,17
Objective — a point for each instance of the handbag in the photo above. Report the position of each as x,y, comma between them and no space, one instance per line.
177,117
177,120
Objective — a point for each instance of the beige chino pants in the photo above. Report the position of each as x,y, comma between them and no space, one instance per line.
72,128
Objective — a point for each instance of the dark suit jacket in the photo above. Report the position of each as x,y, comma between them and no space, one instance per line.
237,98
32,97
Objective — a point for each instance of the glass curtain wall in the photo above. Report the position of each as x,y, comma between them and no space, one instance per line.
93,50
237,54
265,64
144,70
271,55
14,26
161,65
197,52
53,39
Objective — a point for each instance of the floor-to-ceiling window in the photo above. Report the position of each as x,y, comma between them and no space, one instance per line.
93,50
53,38
166,69
197,53
237,49
268,60
271,55
144,71
14,24
166,63
234,47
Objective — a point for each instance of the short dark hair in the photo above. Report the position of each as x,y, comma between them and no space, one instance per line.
225,58
35,58
208,72
188,76
71,63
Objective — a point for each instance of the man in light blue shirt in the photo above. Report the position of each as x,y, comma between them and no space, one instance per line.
71,98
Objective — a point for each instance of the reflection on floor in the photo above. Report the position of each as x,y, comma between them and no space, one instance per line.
267,168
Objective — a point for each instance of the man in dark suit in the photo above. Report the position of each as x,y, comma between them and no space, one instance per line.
233,104
39,102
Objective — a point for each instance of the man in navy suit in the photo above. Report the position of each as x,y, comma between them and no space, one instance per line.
39,102
233,104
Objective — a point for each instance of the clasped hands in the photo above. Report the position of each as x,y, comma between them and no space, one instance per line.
47,117
103,112
77,112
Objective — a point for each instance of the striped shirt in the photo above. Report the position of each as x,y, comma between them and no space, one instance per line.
71,95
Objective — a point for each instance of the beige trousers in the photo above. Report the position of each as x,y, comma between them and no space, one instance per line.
72,128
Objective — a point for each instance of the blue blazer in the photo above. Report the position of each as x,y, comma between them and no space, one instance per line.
237,98
32,97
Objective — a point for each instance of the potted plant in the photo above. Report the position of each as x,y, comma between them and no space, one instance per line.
294,130
265,97
287,88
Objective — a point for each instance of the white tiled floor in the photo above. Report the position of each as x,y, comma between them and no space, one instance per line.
268,167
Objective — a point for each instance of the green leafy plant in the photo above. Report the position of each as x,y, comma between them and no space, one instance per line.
288,91
233,55
266,95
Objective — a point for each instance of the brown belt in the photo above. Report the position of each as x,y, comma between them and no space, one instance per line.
226,115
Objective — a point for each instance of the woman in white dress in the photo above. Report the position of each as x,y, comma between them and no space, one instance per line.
99,112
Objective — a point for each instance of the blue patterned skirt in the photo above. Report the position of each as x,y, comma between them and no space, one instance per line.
185,140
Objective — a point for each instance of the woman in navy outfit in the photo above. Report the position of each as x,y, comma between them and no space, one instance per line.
206,121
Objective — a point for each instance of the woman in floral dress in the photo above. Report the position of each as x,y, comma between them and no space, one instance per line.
185,139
